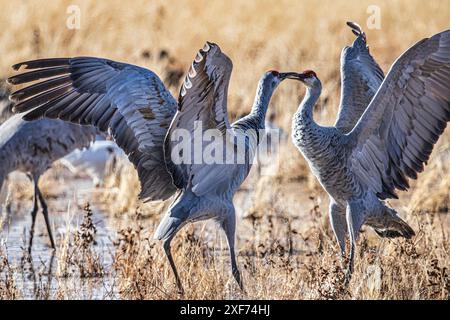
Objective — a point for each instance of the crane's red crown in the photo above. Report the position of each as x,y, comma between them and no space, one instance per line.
309,73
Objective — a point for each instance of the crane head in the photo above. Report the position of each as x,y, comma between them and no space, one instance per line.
309,73
272,78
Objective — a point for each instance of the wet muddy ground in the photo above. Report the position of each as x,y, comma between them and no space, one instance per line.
49,274
40,269
38,275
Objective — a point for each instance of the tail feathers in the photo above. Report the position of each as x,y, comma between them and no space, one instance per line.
177,216
394,226
167,228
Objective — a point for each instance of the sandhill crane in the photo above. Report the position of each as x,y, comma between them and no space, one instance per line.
144,119
32,147
384,133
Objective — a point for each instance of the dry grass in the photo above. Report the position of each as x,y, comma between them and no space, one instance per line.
286,248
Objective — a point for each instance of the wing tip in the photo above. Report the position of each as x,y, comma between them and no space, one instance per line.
11,80
41,63
210,45
16,96
192,72
356,29
206,47
17,66
210,50
18,109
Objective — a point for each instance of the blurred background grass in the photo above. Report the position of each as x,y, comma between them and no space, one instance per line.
257,35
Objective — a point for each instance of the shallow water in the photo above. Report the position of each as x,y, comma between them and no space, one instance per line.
37,276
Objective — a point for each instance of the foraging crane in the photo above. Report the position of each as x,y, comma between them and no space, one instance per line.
145,120
384,133
32,147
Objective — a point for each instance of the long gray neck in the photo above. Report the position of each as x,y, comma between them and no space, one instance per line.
304,114
260,105
307,134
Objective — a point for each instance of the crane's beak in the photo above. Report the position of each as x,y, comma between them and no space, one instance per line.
291,75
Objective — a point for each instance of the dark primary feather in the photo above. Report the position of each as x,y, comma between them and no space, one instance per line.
395,136
129,101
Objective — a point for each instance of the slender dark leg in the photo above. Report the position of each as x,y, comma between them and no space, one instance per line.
33,216
166,245
349,271
355,219
45,213
229,226
339,226
2,199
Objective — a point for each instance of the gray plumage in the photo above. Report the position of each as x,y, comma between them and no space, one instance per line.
361,76
384,134
32,147
133,104
5,104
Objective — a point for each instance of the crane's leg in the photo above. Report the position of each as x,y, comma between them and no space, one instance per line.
45,213
3,194
33,214
166,245
338,222
2,179
355,220
229,227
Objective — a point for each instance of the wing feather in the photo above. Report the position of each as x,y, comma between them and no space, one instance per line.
408,114
203,99
361,76
129,101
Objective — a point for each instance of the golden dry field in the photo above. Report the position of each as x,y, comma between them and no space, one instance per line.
285,245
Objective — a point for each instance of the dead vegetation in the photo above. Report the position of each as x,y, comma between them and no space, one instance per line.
283,254
77,258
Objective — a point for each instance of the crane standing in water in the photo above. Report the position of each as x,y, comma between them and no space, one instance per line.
32,147
143,118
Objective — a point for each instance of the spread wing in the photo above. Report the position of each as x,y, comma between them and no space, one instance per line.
129,101
361,77
395,136
202,106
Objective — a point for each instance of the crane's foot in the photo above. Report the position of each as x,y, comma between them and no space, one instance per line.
238,278
180,289
52,243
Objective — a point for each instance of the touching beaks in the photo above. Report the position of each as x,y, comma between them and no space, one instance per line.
292,75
